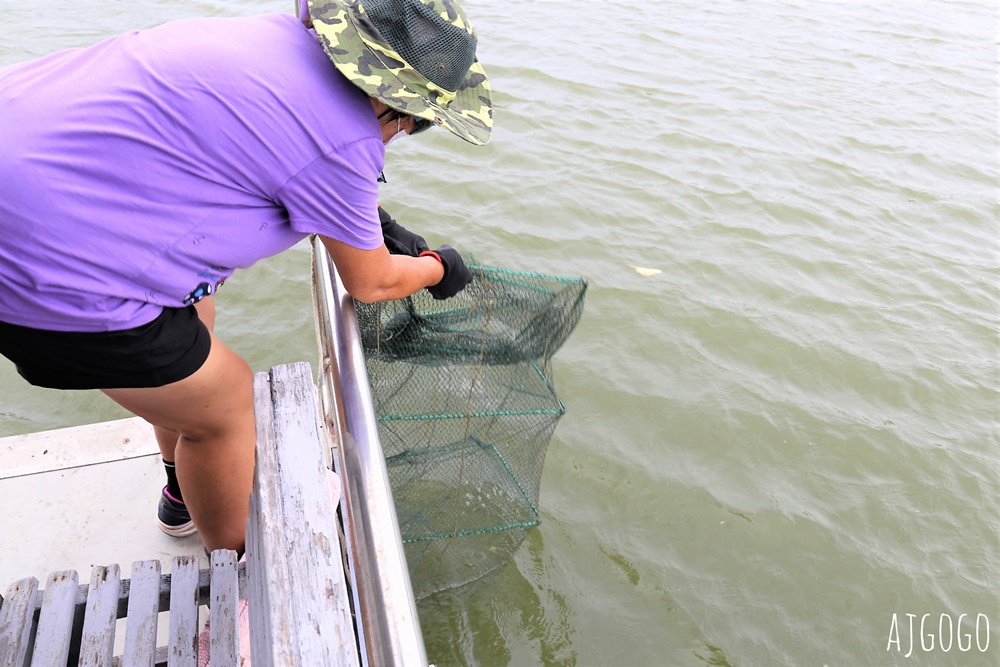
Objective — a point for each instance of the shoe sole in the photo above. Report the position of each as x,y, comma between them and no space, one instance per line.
182,530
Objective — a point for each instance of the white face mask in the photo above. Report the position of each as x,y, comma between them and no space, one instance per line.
399,131
394,137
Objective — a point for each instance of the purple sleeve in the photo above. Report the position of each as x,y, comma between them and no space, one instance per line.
337,195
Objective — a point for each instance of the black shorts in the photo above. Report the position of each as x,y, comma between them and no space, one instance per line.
168,349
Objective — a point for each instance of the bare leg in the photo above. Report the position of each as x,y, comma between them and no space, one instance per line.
166,439
212,410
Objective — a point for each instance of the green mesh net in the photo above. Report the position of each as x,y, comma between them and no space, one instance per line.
466,407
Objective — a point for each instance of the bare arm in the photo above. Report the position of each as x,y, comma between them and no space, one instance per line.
375,275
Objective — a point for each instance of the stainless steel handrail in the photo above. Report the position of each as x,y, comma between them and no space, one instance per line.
386,612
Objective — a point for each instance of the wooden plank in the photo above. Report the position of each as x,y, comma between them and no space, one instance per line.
98,640
182,647
143,608
55,620
105,442
269,632
224,636
16,619
204,579
296,558
257,592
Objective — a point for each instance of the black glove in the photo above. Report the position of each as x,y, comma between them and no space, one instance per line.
456,274
398,239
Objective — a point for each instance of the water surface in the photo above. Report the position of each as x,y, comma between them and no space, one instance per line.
785,440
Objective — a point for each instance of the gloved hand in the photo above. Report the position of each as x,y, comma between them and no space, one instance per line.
456,274
398,239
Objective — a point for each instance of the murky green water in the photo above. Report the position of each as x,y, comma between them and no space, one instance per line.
787,439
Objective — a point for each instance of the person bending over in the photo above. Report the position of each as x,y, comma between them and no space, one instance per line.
137,174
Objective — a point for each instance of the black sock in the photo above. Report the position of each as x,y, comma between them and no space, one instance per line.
173,488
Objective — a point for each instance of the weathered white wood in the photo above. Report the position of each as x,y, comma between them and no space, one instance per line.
297,592
299,607
16,620
98,640
143,607
268,570
182,647
224,636
55,620
258,594
204,577
92,444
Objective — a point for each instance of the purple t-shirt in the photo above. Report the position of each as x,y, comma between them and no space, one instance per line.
140,172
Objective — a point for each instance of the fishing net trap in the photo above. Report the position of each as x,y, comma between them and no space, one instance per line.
466,406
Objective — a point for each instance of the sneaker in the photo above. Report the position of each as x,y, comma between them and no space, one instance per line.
173,517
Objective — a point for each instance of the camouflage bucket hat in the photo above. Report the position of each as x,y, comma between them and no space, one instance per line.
417,56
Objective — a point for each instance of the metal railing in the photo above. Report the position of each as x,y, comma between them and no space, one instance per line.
386,612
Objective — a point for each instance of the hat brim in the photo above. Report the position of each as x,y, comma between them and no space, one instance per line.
373,66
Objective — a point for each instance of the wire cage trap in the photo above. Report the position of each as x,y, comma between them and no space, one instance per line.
466,407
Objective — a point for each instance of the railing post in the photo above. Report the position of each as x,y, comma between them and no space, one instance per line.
384,602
